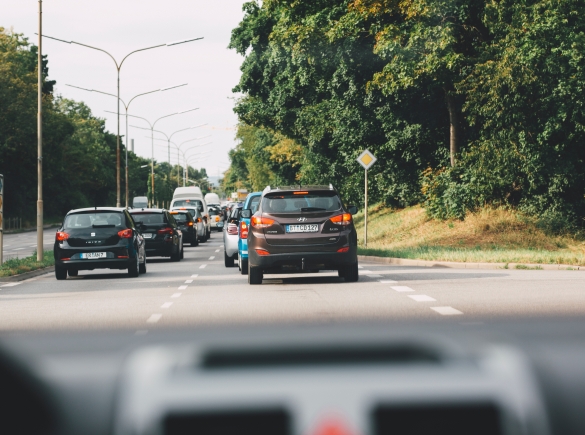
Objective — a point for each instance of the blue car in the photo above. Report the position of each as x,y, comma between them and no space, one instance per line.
251,203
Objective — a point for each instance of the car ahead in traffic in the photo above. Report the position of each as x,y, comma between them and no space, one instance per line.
98,238
216,218
198,222
192,197
161,233
187,226
250,203
230,237
302,229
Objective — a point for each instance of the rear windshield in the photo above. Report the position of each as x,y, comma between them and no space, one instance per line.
149,218
182,217
191,211
297,203
255,203
95,220
188,202
213,211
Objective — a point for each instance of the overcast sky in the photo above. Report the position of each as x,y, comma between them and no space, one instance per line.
121,26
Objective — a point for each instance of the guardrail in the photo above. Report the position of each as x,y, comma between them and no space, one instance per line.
14,223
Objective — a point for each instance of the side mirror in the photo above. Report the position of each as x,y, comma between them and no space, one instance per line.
246,214
352,209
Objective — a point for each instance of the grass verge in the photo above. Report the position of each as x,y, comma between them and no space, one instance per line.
488,236
16,266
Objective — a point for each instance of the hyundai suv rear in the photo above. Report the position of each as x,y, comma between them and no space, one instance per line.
302,229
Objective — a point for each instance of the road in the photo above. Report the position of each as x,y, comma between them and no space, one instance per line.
201,291
25,244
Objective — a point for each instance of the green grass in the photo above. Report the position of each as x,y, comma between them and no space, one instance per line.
16,266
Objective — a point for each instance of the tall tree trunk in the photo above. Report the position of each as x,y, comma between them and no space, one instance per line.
453,126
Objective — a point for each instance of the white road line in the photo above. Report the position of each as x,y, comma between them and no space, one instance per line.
203,266
154,318
212,257
388,281
11,284
189,281
194,276
365,272
422,298
176,295
183,287
447,311
166,305
401,288
217,250
375,276
360,267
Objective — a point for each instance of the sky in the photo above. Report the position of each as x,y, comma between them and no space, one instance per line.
122,26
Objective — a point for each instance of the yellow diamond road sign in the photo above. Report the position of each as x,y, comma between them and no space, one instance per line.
366,159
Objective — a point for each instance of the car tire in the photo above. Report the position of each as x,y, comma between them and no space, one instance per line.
182,251
142,267
60,273
208,236
176,256
73,272
351,273
244,266
194,243
134,268
255,275
227,260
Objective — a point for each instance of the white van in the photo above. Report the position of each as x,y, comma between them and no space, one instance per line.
192,197
212,199
140,202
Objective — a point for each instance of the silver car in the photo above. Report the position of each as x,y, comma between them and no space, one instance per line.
230,236
198,219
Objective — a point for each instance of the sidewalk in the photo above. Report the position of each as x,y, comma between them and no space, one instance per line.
456,265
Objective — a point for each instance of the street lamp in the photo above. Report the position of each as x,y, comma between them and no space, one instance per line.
152,136
126,106
118,68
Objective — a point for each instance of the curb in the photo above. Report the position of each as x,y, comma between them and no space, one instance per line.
458,265
26,275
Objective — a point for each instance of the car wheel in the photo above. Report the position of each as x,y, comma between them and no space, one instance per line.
142,266
208,236
134,268
182,251
351,273
244,266
227,260
176,256
60,273
194,243
255,275
73,272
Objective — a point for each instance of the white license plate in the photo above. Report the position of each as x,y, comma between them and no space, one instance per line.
92,255
310,228
148,236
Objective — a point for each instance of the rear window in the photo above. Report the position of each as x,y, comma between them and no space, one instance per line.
213,212
182,217
188,202
149,218
192,211
95,220
255,203
304,202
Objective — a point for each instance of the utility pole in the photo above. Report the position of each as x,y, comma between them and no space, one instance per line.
40,246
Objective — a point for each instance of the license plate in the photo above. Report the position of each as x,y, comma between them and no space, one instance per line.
148,236
92,255
310,228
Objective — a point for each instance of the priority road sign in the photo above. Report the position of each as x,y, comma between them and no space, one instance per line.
366,159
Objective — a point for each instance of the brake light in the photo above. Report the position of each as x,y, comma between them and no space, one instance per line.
167,230
341,219
232,229
123,256
262,252
61,236
190,224
243,230
125,234
344,249
300,193
198,220
261,222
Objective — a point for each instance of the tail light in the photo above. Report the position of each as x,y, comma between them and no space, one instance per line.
125,234
262,252
232,229
198,220
217,219
167,231
344,249
61,236
190,224
341,219
261,222
243,230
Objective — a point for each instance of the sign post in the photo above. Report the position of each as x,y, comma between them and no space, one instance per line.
366,159
1,219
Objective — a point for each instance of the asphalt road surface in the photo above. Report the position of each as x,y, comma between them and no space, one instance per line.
200,291
21,245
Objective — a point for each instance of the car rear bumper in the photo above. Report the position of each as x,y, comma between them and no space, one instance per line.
301,261
159,249
105,263
230,242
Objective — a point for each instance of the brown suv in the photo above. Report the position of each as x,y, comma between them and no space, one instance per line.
302,229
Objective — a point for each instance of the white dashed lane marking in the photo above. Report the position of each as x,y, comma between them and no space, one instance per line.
166,305
189,281
365,272
447,311
203,266
194,276
388,281
401,288
11,284
183,287
154,318
217,250
374,276
212,257
176,295
422,298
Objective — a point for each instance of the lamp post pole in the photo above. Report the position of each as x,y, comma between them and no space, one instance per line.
126,107
40,246
118,68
